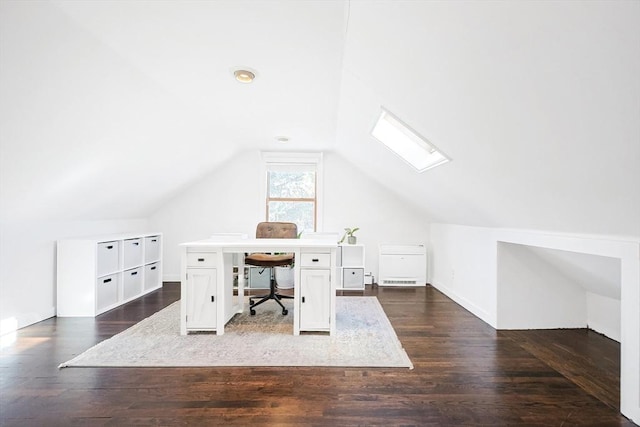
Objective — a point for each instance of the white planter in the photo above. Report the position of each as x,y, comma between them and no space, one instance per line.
284,277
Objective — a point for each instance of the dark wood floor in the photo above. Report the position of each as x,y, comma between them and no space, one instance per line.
466,373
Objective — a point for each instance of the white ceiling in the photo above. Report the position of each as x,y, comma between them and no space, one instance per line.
537,103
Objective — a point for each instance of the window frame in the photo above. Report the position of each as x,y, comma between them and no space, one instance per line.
313,160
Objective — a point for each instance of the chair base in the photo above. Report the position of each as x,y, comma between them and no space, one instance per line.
272,295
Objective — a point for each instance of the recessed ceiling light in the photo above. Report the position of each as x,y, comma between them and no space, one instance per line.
282,139
244,76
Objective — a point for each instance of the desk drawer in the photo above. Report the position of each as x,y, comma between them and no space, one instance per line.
201,259
315,260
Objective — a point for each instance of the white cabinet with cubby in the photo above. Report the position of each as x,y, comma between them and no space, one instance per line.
96,274
350,270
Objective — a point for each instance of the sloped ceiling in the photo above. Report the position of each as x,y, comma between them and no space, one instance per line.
109,108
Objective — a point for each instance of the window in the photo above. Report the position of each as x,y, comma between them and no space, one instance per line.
406,143
292,188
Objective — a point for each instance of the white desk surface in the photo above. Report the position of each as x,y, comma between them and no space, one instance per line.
263,243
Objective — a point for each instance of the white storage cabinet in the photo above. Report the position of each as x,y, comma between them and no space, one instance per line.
201,291
315,291
350,261
97,274
403,265
206,278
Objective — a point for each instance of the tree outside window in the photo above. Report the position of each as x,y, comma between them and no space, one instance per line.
291,195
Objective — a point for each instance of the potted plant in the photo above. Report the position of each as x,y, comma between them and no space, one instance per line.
349,235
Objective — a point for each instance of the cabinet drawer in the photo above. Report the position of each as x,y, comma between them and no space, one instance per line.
151,249
132,249
315,260
201,259
151,276
107,291
353,278
132,283
108,258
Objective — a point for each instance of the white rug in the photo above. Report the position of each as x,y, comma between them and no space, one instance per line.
364,338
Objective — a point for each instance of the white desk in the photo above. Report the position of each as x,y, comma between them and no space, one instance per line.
207,299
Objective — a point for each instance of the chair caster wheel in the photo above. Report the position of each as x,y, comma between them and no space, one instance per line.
253,312
285,312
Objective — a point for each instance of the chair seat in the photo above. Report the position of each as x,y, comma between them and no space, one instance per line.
268,260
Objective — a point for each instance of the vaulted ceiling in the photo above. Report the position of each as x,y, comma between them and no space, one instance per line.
108,108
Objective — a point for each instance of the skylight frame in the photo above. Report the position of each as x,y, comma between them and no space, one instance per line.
413,148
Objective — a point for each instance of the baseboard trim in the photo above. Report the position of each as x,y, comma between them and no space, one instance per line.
466,304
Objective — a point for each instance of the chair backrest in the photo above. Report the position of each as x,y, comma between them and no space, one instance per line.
277,230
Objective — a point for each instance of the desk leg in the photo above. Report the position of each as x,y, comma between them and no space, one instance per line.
241,282
333,283
296,294
222,297
183,291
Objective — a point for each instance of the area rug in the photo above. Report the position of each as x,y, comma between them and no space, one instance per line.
364,338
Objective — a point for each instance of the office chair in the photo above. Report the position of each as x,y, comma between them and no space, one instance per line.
272,230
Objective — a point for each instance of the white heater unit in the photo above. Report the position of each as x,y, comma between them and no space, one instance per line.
403,265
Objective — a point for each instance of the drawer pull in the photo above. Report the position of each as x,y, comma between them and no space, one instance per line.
154,240
134,273
153,268
314,260
106,280
110,247
136,243
200,259
353,272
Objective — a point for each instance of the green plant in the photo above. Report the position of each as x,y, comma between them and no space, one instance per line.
349,232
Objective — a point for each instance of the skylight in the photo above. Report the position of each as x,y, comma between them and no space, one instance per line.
406,143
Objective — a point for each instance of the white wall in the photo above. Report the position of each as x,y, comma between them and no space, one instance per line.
463,263
230,200
84,132
460,247
536,102
28,263
549,288
603,315
532,294
352,199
